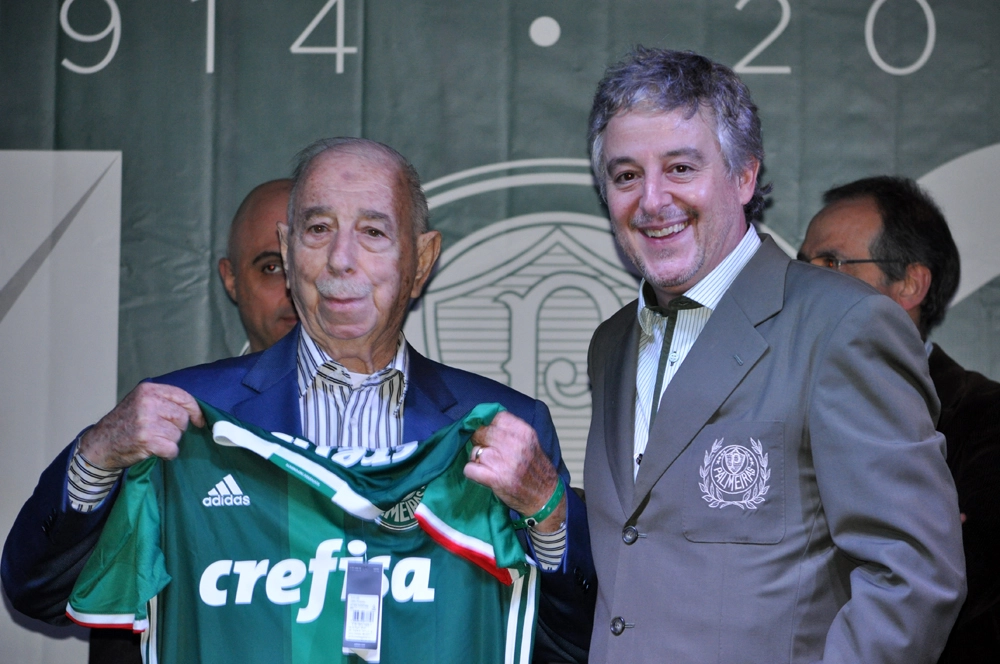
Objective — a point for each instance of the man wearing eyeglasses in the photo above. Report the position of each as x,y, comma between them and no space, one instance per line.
889,233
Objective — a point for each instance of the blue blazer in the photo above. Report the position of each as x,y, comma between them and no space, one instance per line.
49,542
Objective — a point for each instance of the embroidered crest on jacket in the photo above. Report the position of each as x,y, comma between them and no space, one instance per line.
735,475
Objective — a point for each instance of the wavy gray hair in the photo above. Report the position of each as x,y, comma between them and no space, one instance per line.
661,80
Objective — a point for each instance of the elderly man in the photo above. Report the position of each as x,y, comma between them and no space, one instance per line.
764,482
252,271
889,233
356,249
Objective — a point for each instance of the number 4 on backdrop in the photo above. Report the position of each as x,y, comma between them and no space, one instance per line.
114,28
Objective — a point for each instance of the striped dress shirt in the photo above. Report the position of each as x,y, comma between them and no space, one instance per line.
690,322
340,408
87,485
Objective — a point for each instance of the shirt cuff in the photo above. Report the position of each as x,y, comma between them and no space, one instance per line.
87,485
549,547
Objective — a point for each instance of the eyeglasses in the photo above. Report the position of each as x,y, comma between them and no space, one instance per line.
836,263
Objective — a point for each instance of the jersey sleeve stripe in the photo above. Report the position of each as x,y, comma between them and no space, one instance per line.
107,620
521,619
527,630
474,550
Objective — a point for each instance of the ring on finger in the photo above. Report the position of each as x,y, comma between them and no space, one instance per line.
478,453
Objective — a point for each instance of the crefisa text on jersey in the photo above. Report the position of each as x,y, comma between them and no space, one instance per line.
409,581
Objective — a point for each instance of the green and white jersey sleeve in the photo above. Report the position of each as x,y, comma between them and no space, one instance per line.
236,551
127,568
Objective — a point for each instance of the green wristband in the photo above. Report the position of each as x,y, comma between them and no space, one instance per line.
547,509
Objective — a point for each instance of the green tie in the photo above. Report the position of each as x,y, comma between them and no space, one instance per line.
670,313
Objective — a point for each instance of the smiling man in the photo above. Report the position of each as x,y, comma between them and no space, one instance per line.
764,481
357,250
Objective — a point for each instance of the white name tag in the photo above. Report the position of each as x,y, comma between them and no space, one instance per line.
363,610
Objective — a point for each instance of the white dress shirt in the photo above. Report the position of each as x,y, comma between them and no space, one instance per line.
690,322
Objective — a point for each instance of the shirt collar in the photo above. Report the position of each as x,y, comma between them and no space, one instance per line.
709,291
312,359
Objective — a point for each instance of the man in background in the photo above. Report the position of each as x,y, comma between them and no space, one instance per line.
889,233
252,271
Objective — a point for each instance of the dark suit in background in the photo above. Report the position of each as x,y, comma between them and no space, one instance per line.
970,422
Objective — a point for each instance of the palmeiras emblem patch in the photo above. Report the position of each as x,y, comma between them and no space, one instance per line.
735,475
402,515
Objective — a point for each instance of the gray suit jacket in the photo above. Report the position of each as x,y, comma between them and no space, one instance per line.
793,503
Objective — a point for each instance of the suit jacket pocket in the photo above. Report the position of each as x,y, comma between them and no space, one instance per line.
734,484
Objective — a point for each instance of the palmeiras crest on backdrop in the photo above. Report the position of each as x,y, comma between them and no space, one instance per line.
519,299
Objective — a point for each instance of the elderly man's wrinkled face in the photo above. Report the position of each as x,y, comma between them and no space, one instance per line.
675,211
352,259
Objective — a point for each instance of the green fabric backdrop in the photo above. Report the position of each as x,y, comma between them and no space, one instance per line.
455,85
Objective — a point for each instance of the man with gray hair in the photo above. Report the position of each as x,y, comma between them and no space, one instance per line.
889,233
764,482
356,250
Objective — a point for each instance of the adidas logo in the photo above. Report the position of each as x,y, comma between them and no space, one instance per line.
226,492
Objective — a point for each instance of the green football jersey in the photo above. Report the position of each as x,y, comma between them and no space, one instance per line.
236,551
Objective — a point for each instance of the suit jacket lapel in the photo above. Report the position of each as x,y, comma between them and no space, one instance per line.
274,403
724,353
274,400
428,400
619,407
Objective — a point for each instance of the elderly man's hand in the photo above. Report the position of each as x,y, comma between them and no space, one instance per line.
507,458
148,422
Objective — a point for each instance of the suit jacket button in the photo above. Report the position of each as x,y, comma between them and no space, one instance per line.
617,625
630,535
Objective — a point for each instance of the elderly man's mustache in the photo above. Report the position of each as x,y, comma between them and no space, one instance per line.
337,288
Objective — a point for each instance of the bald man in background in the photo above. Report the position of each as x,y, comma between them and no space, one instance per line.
252,272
